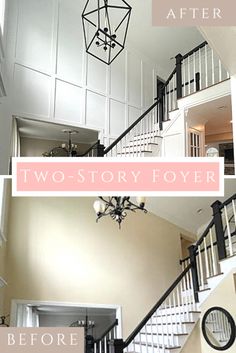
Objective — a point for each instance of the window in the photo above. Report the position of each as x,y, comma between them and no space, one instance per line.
3,208
194,144
2,15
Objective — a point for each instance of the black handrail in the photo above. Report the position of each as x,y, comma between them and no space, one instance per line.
191,52
130,127
228,201
114,324
90,149
200,240
154,309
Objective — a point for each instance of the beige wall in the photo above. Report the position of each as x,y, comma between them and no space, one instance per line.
224,137
224,295
57,252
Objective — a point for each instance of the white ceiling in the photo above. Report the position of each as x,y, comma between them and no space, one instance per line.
51,131
159,43
182,211
222,40
216,120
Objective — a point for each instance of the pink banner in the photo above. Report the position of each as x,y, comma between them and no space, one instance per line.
82,176
193,13
43,340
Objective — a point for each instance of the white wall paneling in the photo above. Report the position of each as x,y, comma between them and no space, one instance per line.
31,92
117,113
68,102
35,33
55,79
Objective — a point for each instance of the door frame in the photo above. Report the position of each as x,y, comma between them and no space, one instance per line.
15,303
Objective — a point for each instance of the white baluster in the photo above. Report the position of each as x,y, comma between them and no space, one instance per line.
220,71
189,76
206,66
206,259
228,231
105,344
213,66
200,265
213,254
194,72
184,76
200,67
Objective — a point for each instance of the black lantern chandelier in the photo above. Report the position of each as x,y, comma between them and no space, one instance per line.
117,207
105,24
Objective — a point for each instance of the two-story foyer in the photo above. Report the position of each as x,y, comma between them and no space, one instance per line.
166,92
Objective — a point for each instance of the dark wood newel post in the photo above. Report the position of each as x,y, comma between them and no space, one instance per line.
178,64
217,216
193,263
160,106
100,149
116,346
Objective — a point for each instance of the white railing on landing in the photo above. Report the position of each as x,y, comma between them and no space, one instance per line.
206,249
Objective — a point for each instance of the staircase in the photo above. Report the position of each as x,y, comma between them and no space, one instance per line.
167,326
197,70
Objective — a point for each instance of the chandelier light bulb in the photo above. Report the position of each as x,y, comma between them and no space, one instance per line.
99,207
141,201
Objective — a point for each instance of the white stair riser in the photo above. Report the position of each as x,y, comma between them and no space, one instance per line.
168,340
176,318
178,309
142,154
175,328
136,149
148,349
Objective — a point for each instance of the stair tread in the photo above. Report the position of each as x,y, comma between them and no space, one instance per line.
164,334
142,144
181,313
156,345
173,323
146,151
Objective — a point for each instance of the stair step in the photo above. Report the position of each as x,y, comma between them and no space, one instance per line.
156,345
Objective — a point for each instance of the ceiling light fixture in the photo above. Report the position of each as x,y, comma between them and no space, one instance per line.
105,25
117,207
66,149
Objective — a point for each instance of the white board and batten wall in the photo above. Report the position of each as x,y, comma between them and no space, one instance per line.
54,79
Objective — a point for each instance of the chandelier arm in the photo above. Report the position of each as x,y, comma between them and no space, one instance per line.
91,12
128,13
86,19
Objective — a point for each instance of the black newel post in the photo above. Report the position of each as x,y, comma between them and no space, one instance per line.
178,64
160,106
217,216
193,262
100,149
116,346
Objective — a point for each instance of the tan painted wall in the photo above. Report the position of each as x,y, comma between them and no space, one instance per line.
193,344
3,247
57,252
224,295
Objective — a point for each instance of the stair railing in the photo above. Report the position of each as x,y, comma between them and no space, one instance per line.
96,150
215,244
196,70
166,318
101,344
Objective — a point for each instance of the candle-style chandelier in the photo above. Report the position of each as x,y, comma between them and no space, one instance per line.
3,321
117,207
105,25
66,149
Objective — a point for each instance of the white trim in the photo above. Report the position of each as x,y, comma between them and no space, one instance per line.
16,302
